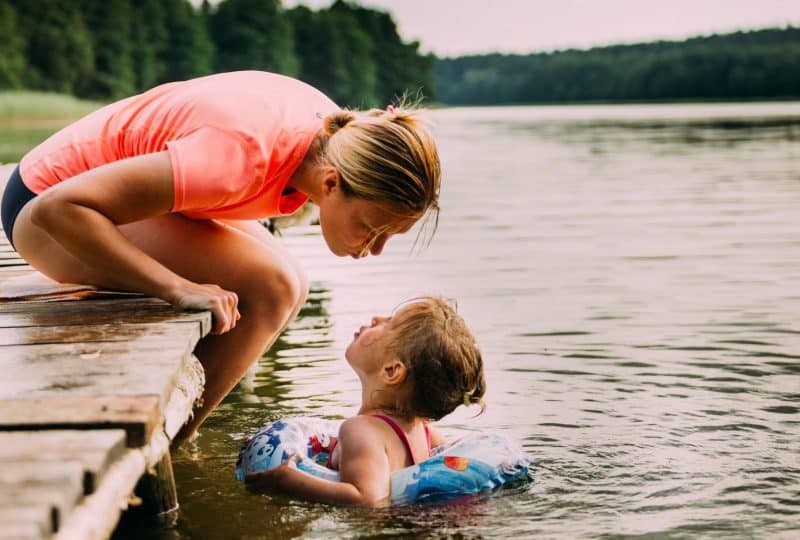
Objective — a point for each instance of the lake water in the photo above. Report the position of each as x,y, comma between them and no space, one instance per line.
632,274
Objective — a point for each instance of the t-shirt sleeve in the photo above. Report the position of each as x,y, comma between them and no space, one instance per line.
212,168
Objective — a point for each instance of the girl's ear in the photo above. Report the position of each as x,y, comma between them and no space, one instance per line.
394,372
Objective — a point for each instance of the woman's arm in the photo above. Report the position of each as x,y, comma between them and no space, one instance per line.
83,213
364,471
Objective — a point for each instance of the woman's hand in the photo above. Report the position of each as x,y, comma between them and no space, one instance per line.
222,304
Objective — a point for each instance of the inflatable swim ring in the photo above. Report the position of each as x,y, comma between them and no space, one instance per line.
472,464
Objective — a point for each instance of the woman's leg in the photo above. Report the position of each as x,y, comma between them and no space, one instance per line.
237,257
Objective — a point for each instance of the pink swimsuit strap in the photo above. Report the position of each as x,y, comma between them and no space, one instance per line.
402,435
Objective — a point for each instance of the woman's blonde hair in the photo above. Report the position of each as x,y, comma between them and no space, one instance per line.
444,364
386,156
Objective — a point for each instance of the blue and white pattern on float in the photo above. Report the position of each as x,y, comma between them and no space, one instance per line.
474,463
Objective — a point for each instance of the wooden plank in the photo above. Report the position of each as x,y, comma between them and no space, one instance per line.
137,367
28,521
93,312
97,515
9,272
15,264
32,335
58,486
187,392
157,489
137,415
95,450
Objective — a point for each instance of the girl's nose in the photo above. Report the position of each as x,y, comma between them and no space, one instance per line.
377,320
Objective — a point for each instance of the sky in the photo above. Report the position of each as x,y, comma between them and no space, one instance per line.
459,27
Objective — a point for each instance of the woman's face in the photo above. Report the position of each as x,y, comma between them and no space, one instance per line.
356,227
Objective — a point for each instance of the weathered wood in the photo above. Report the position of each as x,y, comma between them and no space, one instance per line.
91,370
156,488
92,312
81,380
97,515
137,415
12,261
33,335
187,392
22,531
14,270
28,521
95,450
58,486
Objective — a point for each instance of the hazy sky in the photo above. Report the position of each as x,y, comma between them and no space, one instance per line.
457,27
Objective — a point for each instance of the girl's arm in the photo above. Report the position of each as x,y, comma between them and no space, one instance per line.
82,214
364,471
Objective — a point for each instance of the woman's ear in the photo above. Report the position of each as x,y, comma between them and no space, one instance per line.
330,180
394,372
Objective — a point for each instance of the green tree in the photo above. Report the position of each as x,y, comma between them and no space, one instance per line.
253,34
352,55
189,51
58,46
400,68
12,47
150,39
110,24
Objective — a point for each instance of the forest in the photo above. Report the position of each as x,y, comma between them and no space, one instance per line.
105,50
763,64
109,49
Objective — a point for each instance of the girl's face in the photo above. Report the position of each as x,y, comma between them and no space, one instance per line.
370,346
356,227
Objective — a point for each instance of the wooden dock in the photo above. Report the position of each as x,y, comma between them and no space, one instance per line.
92,391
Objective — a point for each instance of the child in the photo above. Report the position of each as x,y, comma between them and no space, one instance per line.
417,365
159,193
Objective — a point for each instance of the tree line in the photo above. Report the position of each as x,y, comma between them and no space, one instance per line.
109,49
741,65
115,48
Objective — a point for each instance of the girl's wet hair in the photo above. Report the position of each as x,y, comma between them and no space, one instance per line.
443,362
386,156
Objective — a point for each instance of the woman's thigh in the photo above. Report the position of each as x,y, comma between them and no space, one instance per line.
201,251
255,230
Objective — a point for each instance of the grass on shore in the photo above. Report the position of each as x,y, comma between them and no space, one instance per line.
26,105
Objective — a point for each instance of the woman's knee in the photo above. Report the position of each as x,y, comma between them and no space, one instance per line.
273,291
303,282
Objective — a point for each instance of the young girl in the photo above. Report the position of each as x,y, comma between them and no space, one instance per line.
158,194
417,365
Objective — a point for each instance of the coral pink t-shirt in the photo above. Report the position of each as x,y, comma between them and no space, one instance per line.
234,140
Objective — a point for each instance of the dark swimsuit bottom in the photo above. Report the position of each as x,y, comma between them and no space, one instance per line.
15,196
400,433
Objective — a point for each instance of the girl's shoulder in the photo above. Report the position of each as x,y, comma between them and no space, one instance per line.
360,423
362,434
368,426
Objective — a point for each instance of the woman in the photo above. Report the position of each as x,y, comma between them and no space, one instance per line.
158,194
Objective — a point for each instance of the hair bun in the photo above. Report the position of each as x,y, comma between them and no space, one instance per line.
336,121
